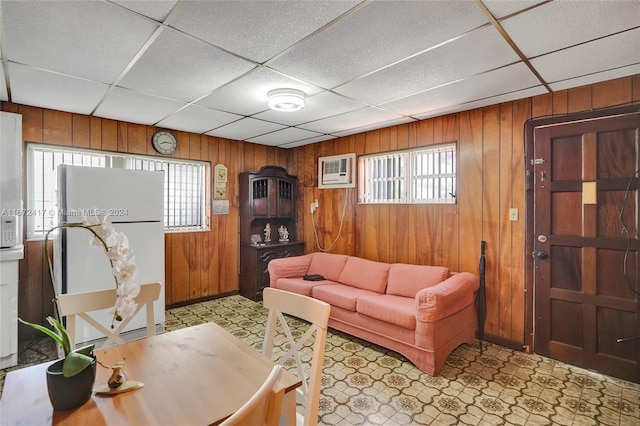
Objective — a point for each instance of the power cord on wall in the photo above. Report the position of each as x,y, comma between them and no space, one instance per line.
344,210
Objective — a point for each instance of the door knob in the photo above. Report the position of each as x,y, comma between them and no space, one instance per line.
542,255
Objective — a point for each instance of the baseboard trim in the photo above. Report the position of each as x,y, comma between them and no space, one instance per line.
200,299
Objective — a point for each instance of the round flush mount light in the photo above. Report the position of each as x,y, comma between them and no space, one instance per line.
287,100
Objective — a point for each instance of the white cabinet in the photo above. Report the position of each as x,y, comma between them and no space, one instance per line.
8,313
11,249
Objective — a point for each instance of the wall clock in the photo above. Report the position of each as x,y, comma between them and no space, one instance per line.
164,142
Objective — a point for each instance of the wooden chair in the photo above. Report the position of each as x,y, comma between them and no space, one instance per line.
72,305
315,312
265,405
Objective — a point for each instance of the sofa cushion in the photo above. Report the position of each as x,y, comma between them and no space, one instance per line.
328,265
365,274
396,310
340,295
298,285
408,280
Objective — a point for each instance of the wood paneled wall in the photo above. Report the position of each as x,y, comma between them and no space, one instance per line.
491,177
197,264
491,181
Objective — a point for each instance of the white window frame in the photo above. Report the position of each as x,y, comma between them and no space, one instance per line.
42,207
424,175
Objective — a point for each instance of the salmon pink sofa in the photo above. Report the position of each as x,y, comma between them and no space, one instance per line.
422,312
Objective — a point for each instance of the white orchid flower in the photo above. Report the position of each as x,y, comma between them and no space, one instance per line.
125,270
102,226
129,288
120,255
124,307
120,250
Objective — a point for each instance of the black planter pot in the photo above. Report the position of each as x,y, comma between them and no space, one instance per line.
66,393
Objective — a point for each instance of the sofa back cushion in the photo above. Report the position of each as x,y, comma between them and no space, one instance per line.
407,280
365,274
328,265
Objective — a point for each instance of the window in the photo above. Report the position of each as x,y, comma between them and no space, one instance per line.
422,175
185,198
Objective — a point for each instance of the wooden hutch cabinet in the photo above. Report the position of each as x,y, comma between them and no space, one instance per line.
267,196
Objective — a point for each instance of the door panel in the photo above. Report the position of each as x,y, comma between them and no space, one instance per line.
585,268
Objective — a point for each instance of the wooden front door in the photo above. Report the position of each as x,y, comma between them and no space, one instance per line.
586,251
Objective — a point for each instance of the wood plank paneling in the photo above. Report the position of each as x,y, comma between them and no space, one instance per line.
521,111
198,264
612,93
57,127
81,136
491,179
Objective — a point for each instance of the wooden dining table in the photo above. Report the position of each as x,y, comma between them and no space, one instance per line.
198,375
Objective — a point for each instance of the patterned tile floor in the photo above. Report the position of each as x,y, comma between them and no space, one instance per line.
364,384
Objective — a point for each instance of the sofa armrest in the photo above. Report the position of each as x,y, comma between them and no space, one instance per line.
444,299
288,267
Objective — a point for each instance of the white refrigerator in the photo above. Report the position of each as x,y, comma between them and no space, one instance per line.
135,201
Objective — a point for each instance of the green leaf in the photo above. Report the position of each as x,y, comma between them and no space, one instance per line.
45,330
85,350
64,336
74,363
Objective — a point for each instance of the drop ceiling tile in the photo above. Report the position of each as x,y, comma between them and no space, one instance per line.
197,119
307,141
351,120
478,51
521,94
288,135
93,40
248,94
256,30
559,24
502,8
32,86
376,35
323,105
596,77
504,80
156,9
180,67
127,105
375,126
244,129
604,54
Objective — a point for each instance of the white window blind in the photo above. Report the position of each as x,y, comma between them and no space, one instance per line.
184,208
185,197
423,175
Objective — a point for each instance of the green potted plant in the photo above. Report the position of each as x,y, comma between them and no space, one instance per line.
70,379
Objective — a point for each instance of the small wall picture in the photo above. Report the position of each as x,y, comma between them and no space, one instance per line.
220,173
220,206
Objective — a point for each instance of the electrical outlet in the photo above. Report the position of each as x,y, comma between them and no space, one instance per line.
513,214
312,207
316,204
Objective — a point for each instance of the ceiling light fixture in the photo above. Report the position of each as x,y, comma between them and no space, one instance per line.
287,100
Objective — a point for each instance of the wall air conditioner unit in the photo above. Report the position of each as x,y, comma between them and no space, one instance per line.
337,171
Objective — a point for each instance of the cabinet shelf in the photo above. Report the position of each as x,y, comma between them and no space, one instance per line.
267,196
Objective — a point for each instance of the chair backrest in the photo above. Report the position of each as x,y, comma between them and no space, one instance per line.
313,311
264,407
72,305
